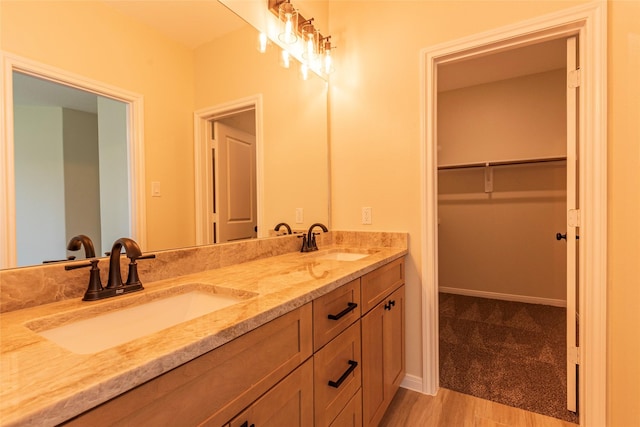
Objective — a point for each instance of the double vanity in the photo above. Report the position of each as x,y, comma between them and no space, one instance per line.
292,339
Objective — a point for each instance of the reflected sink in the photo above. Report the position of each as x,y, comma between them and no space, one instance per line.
343,256
103,331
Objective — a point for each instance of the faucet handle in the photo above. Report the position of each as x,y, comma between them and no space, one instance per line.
132,276
94,289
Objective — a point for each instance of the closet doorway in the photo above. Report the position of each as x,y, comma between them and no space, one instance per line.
588,22
503,192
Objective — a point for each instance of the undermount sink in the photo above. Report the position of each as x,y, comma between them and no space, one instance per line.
344,254
104,331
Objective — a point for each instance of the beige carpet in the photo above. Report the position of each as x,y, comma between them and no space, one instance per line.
508,352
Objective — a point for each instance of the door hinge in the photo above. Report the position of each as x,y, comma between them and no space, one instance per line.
574,218
574,355
574,78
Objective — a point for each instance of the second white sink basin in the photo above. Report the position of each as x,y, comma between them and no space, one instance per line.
108,330
343,256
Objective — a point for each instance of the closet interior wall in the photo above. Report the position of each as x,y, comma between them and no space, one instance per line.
499,241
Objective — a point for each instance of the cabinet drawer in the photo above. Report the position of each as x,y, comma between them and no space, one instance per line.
334,312
289,403
217,385
351,415
337,374
381,282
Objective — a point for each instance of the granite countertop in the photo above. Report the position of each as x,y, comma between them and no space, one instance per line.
45,384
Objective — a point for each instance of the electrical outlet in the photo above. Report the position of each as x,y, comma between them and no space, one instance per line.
299,215
366,215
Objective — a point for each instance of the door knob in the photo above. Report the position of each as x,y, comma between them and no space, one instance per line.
560,236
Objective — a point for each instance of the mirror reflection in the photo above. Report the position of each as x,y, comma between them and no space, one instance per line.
173,55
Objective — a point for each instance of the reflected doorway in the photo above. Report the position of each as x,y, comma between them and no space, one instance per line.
71,169
233,176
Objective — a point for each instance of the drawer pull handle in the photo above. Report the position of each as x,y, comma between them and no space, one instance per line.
350,307
352,366
391,304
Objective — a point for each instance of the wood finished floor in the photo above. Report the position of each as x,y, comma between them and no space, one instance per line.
452,409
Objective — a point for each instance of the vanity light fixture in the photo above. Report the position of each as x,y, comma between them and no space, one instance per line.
288,15
299,39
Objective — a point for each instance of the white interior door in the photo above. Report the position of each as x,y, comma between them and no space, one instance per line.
573,221
235,182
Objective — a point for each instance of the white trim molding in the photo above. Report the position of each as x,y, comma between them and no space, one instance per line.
589,23
203,188
10,63
504,297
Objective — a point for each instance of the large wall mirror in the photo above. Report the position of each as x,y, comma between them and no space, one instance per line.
195,69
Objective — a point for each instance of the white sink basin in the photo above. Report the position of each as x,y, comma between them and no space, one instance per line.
343,256
108,330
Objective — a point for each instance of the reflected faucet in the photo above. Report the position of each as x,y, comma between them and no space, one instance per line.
309,241
282,224
79,241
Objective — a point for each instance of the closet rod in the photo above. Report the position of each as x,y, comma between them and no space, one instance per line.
502,163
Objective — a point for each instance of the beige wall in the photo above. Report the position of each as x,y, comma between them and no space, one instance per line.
375,146
518,118
503,241
94,41
624,214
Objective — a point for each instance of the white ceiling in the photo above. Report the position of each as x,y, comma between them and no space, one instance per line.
188,22
523,61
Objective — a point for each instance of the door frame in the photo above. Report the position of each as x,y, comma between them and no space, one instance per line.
135,135
589,23
201,170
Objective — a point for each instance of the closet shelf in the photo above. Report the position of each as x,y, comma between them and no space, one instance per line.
502,163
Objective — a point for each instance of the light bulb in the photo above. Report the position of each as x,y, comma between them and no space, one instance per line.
328,62
285,59
304,71
288,14
310,45
262,43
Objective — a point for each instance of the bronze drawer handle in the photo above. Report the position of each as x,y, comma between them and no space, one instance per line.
352,366
350,307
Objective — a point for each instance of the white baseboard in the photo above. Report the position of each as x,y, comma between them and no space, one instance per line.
505,297
412,382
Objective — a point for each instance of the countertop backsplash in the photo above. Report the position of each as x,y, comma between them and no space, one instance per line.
31,286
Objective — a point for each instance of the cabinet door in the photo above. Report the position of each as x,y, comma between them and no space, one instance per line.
382,356
289,403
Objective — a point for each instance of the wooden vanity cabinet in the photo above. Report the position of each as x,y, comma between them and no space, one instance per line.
289,403
215,387
383,339
335,362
